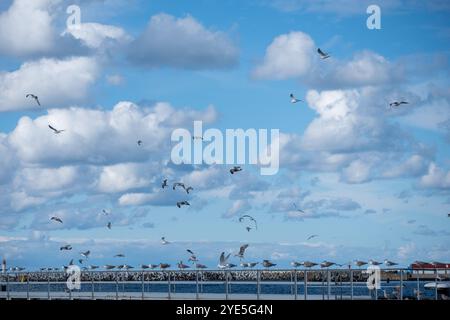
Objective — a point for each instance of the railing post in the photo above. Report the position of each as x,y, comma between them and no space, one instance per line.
92,287
296,285
258,284
28,286
196,284
306,284
401,284
117,286
418,286
436,286
7,287
226,285
168,282
328,284
48,288
351,284
143,285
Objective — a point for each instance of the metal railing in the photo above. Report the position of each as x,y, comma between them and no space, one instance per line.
326,284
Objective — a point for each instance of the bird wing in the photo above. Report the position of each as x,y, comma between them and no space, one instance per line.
321,52
222,258
190,251
37,100
52,128
242,249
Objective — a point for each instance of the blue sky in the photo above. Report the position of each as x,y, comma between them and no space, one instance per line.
374,182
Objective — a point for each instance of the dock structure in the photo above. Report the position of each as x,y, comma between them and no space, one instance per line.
322,284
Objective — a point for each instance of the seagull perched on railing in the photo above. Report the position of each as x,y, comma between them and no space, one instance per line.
327,264
390,263
309,264
200,266
360,263
294,99
164,266
56,219
241,252
296,264
235,169
67,247
144,266
92,267
322,54
248,264
268,264
86,254
35,97
56,131
375,263
182,266
182,203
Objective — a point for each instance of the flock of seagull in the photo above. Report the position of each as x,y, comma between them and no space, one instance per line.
249,221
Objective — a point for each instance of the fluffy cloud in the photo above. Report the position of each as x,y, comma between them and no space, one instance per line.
288,56
436,178
182,43
26,28
238,207
95,35
57,83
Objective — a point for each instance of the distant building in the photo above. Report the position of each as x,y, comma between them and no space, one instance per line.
430,267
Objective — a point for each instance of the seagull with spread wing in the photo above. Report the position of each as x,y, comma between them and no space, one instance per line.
223,261
397,103
322,54
235,169
86,254
35,97
182,203
56,219
56,131
241,252
312,236
294,99
164,241
164,184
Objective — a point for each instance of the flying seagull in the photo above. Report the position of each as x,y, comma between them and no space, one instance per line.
268,264
327,264
397,103
35,97
120,255
193,257
183,203
188,189
312,236
322,54
164,241
56,219
178,184
109,225
298,209
139,143
235,169
164,184
223,261
86,254
241,252
55,130
294,99
105,212
246,216
67,247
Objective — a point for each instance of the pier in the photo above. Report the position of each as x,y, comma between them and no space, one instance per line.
332,284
